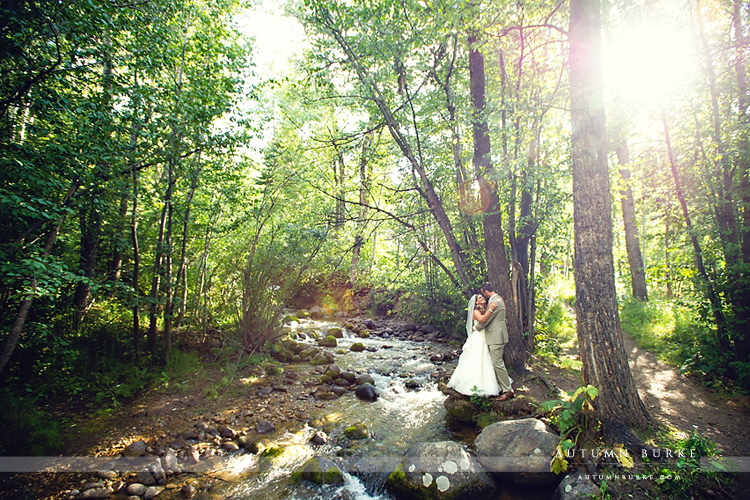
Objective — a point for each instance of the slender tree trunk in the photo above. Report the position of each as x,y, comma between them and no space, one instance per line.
600,338
632,243
23,310
364,189
168,288
497,263
180,280
120,236
716,306
136,265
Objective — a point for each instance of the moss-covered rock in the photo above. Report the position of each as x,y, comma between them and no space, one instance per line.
460,409
357,347
320,359
364,334
273,455
319,470
272,369
357,431
336,332
328,341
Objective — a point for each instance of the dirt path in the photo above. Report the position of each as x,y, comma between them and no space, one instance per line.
686,405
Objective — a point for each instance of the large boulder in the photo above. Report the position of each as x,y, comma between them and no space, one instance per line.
328,341
440,471
317,312
518,451
319,470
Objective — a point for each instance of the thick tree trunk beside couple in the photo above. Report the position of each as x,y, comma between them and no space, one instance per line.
600,338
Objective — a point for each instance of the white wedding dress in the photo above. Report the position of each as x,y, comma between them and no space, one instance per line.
474,372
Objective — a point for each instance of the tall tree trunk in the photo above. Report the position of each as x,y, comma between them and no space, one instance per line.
600,338
136,265
156,278
364,189
632,243
119,237
716,306
180,280
494,240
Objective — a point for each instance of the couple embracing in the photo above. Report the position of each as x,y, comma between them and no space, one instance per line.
481,368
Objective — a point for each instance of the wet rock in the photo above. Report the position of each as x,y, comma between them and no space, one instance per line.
264,427
518,451
230,446
357,431
364,334
228,432
426,328
179,443
136,449
192,456
258,446
319,470
336,332
357,347
365,379
349,377
319,438
92,486
106,474
366,392
443,470
339,390
188,490
436,358
317,312
326,396
319,359
342,382
333,371
328,341
412,384
370,324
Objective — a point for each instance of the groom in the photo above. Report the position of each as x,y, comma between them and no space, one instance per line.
496,333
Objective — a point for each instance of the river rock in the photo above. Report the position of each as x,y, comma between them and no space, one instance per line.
317,312
106,474
230,446
357,347
96,493
136,449
137,489
357,431
365,379
440,471
259,445
319,438
145,477
339,390
328,341
518,451
335,332
366,392
460,409
169,462
576,485
426,328
333,371
319,470
151,492
264,427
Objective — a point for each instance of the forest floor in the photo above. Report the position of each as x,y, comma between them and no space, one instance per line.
674,400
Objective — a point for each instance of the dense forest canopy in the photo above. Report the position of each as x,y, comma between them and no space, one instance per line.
160,191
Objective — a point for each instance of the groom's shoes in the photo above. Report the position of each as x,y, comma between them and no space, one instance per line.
506,396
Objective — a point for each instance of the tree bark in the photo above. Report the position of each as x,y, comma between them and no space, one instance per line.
494,240
364,189
632,243
600,337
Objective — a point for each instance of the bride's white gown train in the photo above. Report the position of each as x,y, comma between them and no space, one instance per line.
474,372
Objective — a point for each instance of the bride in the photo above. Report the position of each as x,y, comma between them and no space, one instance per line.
474,372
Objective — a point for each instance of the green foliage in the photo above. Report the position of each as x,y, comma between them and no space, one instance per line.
479,399
571,418
682,477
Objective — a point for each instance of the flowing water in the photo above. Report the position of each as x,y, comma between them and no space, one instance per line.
399,418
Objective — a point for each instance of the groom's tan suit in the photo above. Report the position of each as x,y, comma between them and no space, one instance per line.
496,334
